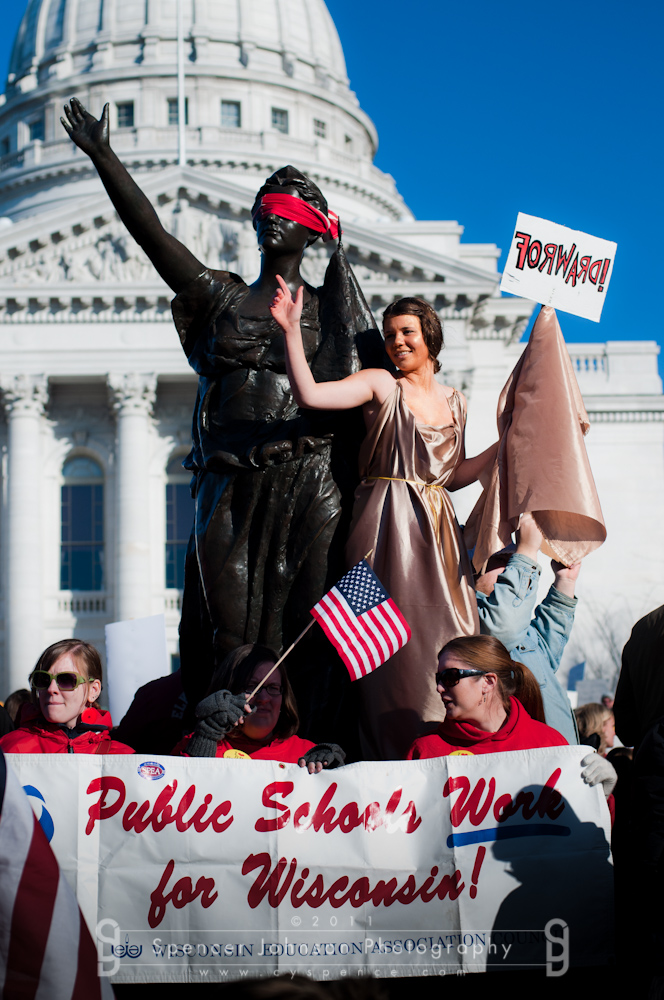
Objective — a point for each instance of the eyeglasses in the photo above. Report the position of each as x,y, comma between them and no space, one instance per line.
67,680
450,678
274,690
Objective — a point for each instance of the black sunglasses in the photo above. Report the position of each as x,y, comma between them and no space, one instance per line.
450,677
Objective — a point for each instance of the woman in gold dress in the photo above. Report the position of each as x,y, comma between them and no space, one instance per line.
412,455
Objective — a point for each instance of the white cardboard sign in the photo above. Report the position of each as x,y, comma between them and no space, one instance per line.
206,870
559,267
136,652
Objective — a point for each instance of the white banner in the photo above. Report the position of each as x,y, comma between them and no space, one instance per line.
213,870
559,267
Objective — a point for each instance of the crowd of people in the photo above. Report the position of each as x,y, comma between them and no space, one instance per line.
491,700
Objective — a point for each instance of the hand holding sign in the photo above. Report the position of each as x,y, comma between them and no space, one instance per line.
558,267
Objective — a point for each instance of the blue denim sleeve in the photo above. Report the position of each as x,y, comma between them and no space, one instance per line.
507,612
552,625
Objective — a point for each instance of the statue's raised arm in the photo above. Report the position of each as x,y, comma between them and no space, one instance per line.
176,265
272,485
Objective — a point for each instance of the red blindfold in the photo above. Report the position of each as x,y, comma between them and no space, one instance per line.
286,206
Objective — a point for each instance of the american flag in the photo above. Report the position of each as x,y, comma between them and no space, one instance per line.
45,947
362,621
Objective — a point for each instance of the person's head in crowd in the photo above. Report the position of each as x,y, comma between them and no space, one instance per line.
486,581
275,714
15,702
67,680
596,725
476,678
607,701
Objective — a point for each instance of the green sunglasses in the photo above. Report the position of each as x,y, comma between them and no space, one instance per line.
67,680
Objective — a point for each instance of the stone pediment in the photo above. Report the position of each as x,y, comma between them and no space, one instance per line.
86,251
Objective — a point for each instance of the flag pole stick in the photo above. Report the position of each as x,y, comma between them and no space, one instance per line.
292,646
281,659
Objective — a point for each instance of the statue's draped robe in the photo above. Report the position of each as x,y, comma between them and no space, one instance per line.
272,483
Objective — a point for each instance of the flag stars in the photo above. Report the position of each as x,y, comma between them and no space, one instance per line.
361,588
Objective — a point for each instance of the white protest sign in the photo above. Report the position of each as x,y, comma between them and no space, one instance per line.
558,267
136,652
214,870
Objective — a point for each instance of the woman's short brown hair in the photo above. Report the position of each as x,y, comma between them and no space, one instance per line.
235,671
84,653
432,330
485,653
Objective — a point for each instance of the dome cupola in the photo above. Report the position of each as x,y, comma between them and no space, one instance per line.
265,84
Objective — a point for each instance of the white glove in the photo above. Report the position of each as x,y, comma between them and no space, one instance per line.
596,770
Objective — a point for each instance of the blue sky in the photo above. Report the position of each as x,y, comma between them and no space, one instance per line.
487,109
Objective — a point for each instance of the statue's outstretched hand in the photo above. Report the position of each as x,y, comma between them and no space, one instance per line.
285,309
89,133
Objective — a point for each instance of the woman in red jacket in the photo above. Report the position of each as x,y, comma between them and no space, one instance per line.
67,683
492,703
233,723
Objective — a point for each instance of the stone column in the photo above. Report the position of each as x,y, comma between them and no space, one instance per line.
133,398
25,397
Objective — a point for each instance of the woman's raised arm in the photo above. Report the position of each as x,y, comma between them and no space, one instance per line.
344,394
176,265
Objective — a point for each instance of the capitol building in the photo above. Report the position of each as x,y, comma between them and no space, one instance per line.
96,393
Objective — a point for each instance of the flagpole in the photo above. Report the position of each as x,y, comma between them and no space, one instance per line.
281,658
182,155
292,646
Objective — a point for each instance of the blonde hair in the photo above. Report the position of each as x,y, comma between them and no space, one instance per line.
590,719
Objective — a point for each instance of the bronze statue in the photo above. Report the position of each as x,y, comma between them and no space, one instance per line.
271,483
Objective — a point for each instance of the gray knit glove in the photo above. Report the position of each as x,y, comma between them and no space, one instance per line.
327,754
217,715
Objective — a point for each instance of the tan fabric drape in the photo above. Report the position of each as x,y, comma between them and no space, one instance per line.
542,464
404,513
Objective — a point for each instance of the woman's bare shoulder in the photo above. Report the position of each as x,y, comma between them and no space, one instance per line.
382,383
450,392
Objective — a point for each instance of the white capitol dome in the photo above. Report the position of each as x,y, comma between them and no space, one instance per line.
56,31
266,84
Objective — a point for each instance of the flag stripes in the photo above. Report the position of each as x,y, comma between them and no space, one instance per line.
46,951
362,621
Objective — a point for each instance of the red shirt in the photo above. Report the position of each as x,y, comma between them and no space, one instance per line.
288,751
40,736
518,732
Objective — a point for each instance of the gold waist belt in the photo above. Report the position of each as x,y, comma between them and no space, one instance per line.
434,496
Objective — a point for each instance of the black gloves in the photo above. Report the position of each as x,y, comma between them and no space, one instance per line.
327,754
217,715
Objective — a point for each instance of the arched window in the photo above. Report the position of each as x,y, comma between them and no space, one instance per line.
179,520
82,535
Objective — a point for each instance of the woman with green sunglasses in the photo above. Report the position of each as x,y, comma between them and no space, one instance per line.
66,684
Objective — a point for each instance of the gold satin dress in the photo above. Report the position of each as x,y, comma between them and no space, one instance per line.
404,514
